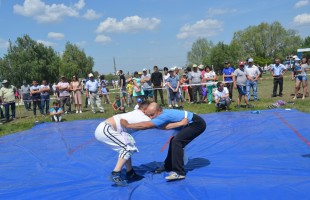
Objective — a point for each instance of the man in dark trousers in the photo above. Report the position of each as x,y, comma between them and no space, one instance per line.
191,126
157,83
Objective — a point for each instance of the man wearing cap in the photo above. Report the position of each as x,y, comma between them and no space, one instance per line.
252,74
228,73
195,84
278,70
64,94
92,92
25,91
240,84
147,85
7,95
157,81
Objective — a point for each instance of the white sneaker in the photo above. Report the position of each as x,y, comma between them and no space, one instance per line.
80,111
170,106
173,176
76,111
176,105
209,102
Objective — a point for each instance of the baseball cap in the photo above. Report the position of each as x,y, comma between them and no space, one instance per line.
139,100
194,65
90,75
226,62
144,69
250,60
241,63
201,66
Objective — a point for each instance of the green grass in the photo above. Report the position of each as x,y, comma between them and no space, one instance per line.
25,120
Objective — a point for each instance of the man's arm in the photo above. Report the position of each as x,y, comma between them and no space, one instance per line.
183,122
137,126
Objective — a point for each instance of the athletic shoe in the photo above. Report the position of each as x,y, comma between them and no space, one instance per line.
80,111
210,102
170,106
76,111
176,105
117,179
173,176
132,176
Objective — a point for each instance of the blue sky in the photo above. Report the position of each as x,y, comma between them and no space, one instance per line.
141,33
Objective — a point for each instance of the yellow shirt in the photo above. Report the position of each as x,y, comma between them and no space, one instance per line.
129,88
8,94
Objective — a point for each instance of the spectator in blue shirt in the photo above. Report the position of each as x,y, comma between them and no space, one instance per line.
228,73
278,70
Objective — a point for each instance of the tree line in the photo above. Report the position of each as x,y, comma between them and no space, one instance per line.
263,42
30,60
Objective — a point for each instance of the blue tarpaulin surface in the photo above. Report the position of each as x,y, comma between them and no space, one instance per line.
240,156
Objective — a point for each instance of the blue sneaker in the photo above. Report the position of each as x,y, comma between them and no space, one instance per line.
117,179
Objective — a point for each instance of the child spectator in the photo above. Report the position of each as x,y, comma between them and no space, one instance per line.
129,89
117,105
56,112
184,86
139,101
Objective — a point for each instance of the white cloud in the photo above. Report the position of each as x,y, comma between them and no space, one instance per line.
302,19
45,13
103,39
301,3
129,24
91,14
202,28
3,44
81,43
56,36
218,11
46,43
79,5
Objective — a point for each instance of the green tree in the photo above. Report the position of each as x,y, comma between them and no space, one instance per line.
199,52
306,44
268,40
75,61
29,60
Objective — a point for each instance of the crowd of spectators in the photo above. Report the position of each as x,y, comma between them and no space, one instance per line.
197,84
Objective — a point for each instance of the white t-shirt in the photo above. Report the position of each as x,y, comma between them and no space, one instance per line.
210,74
219,94
252,71
166,78
134,116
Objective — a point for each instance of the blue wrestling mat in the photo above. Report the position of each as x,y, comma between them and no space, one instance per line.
240,156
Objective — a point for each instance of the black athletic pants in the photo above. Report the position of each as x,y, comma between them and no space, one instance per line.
174,160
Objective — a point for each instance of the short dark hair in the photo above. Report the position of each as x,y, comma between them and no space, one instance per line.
155,67
165,68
